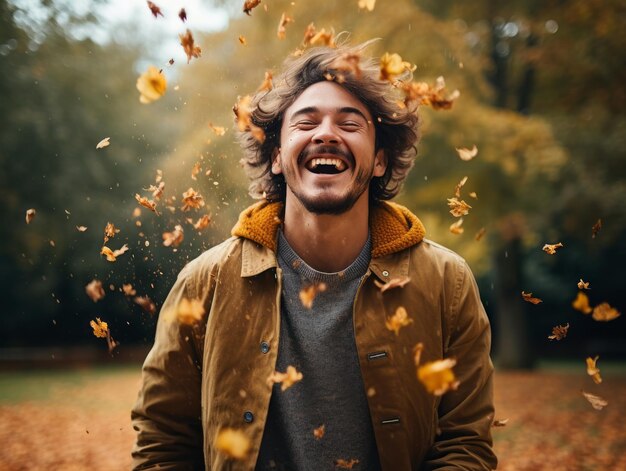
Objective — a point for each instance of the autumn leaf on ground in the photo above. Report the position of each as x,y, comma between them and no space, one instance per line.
581,303
151,85
467,154
156,11
201,223
81,228
103,143
427,95
95,290
368,4
288,378
457,188
583,285
109,231
187,41
182,14
233,443
128,289
479,235
596,228
146,304
559,332
30,215
593,370
499,423
456,228
174,238
393,283
318,433
458,208
398,320
192,199
218,130
284,21
528,297
189,311
112,255
307,294
551,249
392,65
438,377
248,5
345,464
596,402
604,312
267,84
146,203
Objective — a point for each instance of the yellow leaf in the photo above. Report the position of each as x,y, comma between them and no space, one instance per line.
438,377
288,378
233,443
368,4
190,311
392,65
284,21
604,312
398,320
151,85
458,208
581,303
559,332
456,228
593,370
307,294
100,329
551,249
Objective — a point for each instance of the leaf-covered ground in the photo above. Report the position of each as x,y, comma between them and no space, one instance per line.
80,420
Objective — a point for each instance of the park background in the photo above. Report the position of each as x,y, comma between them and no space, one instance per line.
541,96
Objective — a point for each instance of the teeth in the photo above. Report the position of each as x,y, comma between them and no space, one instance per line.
339,165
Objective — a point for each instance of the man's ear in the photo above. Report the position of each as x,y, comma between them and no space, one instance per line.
277,168
380,163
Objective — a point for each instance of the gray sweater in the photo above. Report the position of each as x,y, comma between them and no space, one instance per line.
319,342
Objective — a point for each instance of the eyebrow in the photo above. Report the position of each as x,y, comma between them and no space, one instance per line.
343,110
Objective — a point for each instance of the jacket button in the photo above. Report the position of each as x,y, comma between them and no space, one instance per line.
248,416
265,347
385,273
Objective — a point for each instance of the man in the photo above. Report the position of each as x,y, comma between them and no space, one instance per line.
298,285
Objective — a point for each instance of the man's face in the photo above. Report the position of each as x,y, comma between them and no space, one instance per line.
327,149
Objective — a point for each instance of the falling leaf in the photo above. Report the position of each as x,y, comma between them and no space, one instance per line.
312,37
603,312
156,11
242,40
559,332
456,228
146,304
201,223
467,154
551,249
596,402
112,255
284,21
307,295
233,443
192,199
458,208
288,378
151,85
103,143
101,330
348,63
95,290
174,238
81,228
457,188
318,433
596,228
393,283
187,41
242,112
479,235
249,5
427,95
398,320
369,4
500,422
417,353
473,194
195,171
218,130
438,377
182,14
267,84
128,289
583,285
189,312
345,464
392,65
593,370
30,215
528,297
581,303
146,203
109,231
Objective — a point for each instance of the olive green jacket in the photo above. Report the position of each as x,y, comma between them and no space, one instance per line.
212,374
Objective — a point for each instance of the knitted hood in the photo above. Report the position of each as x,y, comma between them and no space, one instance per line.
392,227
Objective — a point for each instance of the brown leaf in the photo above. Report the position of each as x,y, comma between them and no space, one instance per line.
174,238
457,188
393,283
95,290
284,21
128,289
242,40
30,215
551,249
583,285
192,199
109,231
596,228
427,95
528,297
267,84
182,14
399,319
218,130
458,208
318,433
146,304
467,154
456,228
499,423
312,37
156,11
345,464
233,443
187,41
146,203
417,353
559,332
479,235
103,143
201,223
596,402
603,312
249,5
112,255
288,378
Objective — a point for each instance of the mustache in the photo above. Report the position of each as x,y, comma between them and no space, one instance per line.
325,149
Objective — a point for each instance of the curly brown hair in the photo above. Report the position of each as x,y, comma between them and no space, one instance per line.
396,127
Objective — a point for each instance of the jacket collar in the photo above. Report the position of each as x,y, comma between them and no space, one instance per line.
393,228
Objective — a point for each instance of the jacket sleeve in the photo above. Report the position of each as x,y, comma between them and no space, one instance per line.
167,415
465,416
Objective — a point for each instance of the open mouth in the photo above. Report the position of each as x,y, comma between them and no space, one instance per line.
329,166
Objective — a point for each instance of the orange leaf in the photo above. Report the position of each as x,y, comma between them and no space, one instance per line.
307,295
604,312
233,443
551,249
393,283
95,290
529,298
438,377
398,320
288,378
593,370
581,303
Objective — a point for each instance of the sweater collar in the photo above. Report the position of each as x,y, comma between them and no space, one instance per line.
392,227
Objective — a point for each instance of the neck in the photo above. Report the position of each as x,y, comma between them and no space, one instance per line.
327,242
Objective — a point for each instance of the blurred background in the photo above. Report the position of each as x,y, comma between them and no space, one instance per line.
541,96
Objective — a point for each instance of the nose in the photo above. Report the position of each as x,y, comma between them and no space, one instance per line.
325,133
